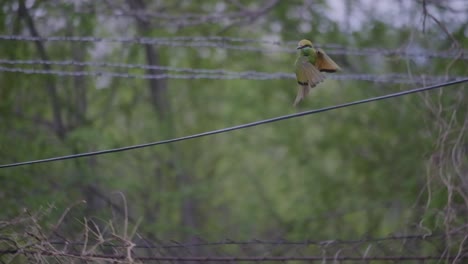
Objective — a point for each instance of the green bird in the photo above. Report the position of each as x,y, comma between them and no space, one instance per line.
310,63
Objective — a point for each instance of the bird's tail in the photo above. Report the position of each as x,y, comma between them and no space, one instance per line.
301,93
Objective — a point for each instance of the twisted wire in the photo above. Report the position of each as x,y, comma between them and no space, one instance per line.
255,241
218,74
224,43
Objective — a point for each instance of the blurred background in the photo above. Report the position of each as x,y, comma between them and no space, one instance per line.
81,76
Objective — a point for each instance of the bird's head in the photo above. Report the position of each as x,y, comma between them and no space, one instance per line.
304,44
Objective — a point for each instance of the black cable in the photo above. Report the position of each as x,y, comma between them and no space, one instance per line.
223,130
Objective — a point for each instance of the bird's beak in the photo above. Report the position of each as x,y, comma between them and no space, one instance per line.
298,47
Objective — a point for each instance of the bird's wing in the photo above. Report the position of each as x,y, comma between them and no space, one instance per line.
325,63
308,74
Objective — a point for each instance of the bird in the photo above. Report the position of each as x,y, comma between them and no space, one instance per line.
310,64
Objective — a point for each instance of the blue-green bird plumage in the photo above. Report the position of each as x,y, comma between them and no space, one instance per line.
308,76
308,67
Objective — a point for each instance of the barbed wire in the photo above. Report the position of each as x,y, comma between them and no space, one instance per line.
119,11
225,43
115,257
188,16
105,244
193,19
167,19
391,248
238,127
124,65
215,74
255,241
246,74
120,75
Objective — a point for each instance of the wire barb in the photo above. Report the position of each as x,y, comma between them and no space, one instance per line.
202,73
231,43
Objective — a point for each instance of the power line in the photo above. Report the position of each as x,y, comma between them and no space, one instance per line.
228,129
226,43
211,74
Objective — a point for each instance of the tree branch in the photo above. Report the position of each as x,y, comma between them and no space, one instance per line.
51,88
158,87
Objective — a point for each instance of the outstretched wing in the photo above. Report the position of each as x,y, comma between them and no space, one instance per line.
325,63
308,76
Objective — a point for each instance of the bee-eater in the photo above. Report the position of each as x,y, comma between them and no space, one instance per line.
310,63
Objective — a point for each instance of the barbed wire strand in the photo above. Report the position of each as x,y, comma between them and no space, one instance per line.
223,42
175,20
115,65
248,75
238,127
185,16
233,259
260,242
392,77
